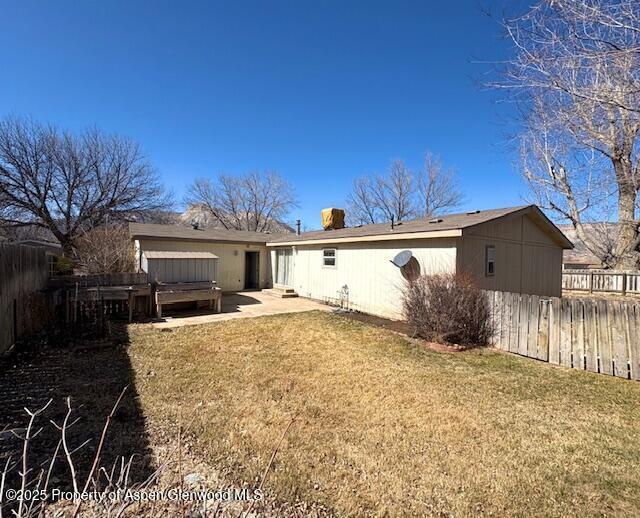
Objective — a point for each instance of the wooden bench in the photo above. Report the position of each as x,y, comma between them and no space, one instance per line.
188,292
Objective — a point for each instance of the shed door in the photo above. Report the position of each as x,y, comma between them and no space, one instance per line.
284,266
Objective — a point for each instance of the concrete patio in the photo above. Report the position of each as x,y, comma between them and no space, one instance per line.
245,304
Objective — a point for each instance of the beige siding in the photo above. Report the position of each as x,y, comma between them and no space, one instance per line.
373,283
230,262
527,259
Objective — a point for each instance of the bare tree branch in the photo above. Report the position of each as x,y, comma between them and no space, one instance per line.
575,74
402,193
437,191
69,183
258,202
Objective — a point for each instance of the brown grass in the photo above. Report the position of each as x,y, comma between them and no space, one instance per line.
387,426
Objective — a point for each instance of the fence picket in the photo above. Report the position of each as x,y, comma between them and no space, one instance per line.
532,332
634,336
523,329
618,341
565,333
514,330
577,337
604,337
506,320
554,331
590,337
543,331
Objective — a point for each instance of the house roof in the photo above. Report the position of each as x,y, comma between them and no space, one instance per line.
170,254
158,231
450,225
581,254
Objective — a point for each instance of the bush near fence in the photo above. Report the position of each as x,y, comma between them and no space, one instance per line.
596,335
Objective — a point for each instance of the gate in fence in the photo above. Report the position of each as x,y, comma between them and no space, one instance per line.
595,335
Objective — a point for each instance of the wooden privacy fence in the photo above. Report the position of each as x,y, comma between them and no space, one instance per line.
601,281
595,335
24,307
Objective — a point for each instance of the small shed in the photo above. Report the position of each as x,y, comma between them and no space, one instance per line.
180,266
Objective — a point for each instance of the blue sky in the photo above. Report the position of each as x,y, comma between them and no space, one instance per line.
319,91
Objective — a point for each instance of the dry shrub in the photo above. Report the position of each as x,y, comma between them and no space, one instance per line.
448,308
106,249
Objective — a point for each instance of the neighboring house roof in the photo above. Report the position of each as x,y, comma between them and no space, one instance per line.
36,242
580,253
157,231
165,254
50,248
451,225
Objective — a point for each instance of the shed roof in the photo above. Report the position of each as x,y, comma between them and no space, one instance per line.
171,254
450,225
158,231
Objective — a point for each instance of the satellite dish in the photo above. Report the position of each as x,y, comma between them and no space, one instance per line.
402,258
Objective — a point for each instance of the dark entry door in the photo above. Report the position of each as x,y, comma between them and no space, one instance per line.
251,270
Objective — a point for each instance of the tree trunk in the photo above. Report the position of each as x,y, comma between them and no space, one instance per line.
626,251
68,250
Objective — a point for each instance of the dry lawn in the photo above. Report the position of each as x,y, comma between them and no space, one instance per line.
386,426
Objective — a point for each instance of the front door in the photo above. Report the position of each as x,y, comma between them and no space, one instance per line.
251,270
284,266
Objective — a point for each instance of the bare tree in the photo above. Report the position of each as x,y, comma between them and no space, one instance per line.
69,183
403,194
437,190
576,78
254,201
106,249
393,193
361,205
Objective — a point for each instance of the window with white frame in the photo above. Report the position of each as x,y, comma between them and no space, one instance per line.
329,257
490,261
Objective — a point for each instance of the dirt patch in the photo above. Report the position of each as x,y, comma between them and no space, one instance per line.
401,327
398,326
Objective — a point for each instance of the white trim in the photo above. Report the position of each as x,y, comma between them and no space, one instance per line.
385,237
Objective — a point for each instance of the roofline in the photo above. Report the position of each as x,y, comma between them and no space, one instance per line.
565,241
197,240
552,230
376,237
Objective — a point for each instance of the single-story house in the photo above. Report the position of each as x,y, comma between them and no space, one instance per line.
515,249
242,258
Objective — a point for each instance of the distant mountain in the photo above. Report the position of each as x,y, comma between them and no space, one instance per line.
205,220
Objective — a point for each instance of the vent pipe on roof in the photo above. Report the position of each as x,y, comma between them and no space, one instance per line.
392,223
297,227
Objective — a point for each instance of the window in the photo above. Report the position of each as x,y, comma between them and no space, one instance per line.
329,257
490,261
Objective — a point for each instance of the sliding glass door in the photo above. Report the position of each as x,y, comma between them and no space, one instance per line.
284,266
